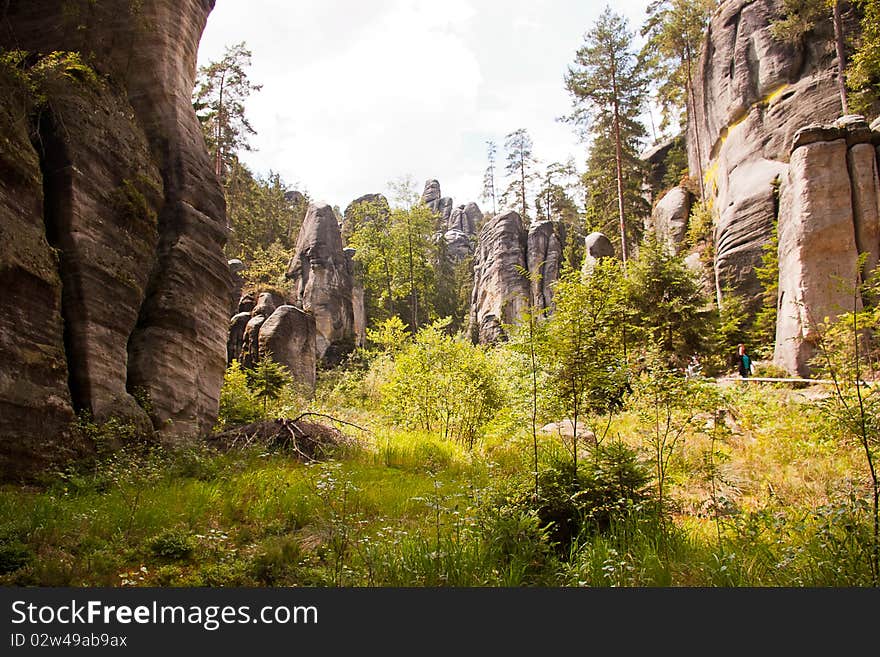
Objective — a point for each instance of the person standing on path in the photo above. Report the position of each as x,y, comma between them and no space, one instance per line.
743,361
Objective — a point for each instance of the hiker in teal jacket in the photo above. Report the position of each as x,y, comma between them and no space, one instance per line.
743,361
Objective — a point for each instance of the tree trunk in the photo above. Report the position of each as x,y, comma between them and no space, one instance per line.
218,162
412,279
841,57
618,156
692,113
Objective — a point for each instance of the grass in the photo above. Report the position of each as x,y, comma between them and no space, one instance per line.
773,500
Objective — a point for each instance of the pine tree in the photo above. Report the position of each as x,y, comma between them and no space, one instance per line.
602,207
489,176
675,31
222,88
608,91
519,169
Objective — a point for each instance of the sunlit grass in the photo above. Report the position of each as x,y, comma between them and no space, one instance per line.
769,498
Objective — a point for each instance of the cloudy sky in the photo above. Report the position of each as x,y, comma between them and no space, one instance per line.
358,93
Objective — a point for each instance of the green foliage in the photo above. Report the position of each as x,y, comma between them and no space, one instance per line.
799,18
519,169
131,204
584,349
36,75
763,331
13,555
267,266
674,31
267,380
442,383
390,336
666,301
847,352
555,202
608,90
66,64
676,165
238,404
701,222
605,490
172,544
222,89
863,74
263,216
398,255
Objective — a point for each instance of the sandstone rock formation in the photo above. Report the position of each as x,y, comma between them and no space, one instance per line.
235,341
544,257
369,207
358,303
752,92
829,213
120,182
465,219
501,290
288,337
322,282
461,230
246,303
658,159
265,305
440,205
669,219
597,246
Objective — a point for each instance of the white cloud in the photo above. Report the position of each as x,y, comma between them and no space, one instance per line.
356,94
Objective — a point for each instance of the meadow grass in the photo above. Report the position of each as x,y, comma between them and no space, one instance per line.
768,497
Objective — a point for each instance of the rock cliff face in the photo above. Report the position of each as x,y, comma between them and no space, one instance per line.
544,256
322,282
829,213
441,205
669,218
501,291
751,94
288,337
119,182
461,230
506,252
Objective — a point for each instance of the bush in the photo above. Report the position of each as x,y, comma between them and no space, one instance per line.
442,383
608,489
238,405
174,545
13,555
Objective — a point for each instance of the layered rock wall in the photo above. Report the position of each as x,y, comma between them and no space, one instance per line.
829,214
752,92
119,184
322,282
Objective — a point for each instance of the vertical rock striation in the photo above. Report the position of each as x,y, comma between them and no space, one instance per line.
544,256
501,290
829,214
752,92
120,184
322,282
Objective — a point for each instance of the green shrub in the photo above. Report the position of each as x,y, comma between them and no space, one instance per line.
173,544
238,404
442,383
13,555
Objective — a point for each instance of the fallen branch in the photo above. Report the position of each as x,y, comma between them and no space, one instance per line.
330,417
